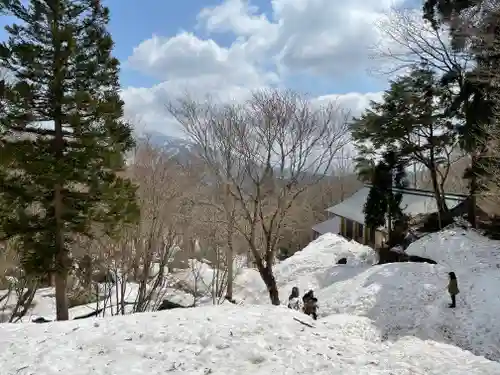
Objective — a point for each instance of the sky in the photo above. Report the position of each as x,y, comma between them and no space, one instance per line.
226,48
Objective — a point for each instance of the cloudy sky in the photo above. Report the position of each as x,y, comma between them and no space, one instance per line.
322,48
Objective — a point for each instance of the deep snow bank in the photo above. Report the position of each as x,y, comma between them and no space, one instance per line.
224,340
314,267
402,299
459,249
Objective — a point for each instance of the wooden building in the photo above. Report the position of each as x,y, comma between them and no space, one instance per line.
347,217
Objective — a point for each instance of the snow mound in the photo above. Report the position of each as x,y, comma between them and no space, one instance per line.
314,267
224,341
406,299
458,249
325,251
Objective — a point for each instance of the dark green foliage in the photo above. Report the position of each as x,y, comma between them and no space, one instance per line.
63,137
376,205
412,120
383,204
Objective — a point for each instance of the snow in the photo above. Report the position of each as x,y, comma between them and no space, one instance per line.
373,319
404,299
225,340
312,268
458,249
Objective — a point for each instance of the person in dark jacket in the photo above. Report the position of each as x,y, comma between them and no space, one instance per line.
453,289
308,295
310,304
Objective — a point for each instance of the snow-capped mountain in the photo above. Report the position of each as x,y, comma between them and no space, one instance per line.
182,149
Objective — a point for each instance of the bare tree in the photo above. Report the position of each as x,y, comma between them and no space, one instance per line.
407,40
164,189
17,289
267,151
144,253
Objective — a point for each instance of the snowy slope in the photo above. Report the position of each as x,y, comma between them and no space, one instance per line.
224,340
405,299
314,267
459,249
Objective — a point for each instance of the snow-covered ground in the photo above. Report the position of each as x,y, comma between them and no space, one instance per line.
404,299
110,296
312,268
225,340
374,319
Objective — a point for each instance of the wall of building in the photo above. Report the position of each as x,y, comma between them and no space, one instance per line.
360,233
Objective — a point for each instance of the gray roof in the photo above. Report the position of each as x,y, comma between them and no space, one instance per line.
414,202
328,226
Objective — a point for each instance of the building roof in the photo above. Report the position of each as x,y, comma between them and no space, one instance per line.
414,202
328,226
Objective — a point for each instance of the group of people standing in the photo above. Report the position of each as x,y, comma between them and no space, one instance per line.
309,302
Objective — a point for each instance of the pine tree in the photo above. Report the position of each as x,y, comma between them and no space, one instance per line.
375,208
397,219
63,137
383,204
411,120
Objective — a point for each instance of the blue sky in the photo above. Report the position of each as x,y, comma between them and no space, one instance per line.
131,25
322,48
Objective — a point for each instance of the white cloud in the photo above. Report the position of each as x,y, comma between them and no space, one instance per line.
356,102
329,39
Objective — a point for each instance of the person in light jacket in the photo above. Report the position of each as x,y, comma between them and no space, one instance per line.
453,289
294,299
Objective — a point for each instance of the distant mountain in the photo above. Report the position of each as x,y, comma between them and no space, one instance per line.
185,150
182,149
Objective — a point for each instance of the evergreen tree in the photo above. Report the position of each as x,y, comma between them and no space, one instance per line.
64,140
411,119
375,208
397,219
383,204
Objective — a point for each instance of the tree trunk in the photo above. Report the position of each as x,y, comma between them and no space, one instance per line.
272,287
62,256
473,186
230,273
229,254
62,305
62,259
440,201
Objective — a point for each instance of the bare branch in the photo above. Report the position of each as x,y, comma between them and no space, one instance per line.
267,152
407,40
